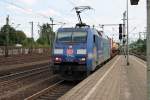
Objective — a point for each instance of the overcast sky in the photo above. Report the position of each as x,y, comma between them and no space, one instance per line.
104,12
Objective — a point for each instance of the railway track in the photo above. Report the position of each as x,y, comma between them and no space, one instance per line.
26,83
22,59
53,92
21,75
143,57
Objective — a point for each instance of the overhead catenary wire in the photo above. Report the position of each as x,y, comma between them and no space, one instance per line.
75,4
22,8
39,14
28,10
72,3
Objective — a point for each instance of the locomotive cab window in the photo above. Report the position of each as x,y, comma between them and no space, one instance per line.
71,37
64,36
79,37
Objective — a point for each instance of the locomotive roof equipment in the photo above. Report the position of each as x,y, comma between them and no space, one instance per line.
79,10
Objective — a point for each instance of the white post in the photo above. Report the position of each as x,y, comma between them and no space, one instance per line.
148,49
127,34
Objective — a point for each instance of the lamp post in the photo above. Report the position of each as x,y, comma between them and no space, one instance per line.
7,37
31,37
51,19
50,35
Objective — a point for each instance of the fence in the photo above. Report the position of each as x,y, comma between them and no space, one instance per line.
23,51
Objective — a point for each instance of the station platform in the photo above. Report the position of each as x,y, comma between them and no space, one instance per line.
114,81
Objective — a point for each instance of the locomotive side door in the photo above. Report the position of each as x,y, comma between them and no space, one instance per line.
95,51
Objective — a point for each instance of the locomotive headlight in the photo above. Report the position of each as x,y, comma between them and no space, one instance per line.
58,60
83,59
81,51
58,51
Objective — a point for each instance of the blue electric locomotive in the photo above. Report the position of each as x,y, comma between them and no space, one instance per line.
77,51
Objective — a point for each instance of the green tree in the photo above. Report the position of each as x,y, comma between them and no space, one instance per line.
14,36
20,37
46,35
28,42
2,39
139,47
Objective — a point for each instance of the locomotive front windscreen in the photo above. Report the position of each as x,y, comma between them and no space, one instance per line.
72,37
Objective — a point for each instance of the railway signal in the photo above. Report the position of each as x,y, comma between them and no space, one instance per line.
120,32
120,29
134,2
